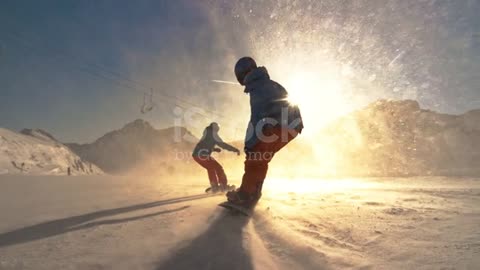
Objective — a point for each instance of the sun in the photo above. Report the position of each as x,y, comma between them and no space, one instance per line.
319,96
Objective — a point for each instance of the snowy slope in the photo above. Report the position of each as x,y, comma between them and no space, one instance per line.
36,152
103,222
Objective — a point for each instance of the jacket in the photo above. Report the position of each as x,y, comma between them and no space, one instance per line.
207,143
268,105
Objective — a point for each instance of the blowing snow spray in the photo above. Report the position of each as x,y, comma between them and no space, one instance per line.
225,82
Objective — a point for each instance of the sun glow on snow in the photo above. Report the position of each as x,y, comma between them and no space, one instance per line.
318,185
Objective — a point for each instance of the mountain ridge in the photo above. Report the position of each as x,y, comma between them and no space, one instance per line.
135,143
398,137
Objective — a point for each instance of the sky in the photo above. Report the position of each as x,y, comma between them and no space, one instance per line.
79,69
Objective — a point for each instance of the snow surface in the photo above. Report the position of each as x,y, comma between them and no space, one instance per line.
37,153
105,222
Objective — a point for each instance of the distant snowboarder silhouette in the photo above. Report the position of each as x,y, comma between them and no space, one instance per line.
274,122
202,155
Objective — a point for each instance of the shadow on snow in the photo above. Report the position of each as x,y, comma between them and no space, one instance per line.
219,247
64,225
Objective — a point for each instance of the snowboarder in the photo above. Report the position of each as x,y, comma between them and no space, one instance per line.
274,122
202,155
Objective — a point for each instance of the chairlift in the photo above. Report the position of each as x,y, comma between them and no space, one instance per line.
148,103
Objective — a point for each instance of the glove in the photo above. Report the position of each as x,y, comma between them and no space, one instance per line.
218,150
237,151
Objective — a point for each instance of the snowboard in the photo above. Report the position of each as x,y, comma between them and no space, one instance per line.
237,209
229,188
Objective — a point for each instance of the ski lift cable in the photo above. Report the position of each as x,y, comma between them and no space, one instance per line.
130,88
124,78
94,72
31,51
125,86
101,76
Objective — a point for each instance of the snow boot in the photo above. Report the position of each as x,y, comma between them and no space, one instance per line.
226,188
242,198
213,189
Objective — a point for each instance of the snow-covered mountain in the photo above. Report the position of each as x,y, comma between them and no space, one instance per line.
400,138
35,152
137,144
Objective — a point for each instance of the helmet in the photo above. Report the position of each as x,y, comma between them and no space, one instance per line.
243,66
214,126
